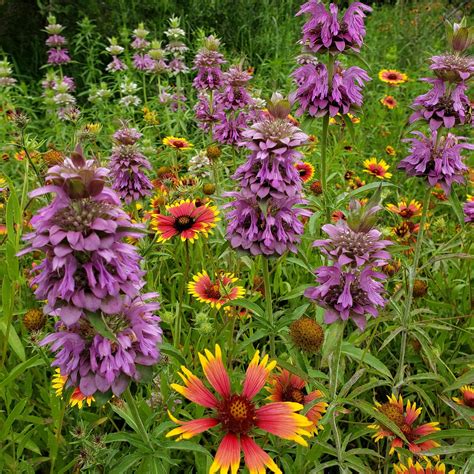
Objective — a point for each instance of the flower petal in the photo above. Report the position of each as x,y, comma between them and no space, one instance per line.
227,456
195,389
256,459
215,371
257,374
188,429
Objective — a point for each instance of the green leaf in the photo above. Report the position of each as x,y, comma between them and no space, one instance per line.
187,446
465,379
446,434
172,352
359,355
454,449
19,369
100,325
13,340
258,310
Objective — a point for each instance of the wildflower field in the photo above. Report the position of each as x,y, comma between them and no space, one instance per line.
237,238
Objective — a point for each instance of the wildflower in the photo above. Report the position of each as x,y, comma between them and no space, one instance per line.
392,77
5,74
406,210
324,31
379,169
389,102
200,164
213,152
316,187
317,98
390,150
234,95
209,189
139,38
453,67
207,62
78,398
392,267
417,468
237,413
305,170
58,383
438,161
150,116
101,362
127,165
229,128
116,65
406,231
178,144
469,209
404,418
467,392
460,36
34,320
420,288
186,220
216,292
443,105
307,335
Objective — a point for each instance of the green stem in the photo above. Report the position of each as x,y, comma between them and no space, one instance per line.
57,436
335,360
179,316
268,303
324,144
136,417
406,317
144,89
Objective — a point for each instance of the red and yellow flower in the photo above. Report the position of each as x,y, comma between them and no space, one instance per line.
390,150
379,169
58,383
417,468
185,219
406,209
467,392
392,77
237,414
216,292
177,143
305,170
404,418
287,387
389,102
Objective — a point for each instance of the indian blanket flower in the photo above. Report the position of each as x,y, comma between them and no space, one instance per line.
392,77
288,387
453,67
468,209
324,31
77,398
317,98
405,209
176,143
127,165
186,219
416,468
99,362
404,417
305,170
443,106
377,168
87,266
389,102
237,414
390,150
439,161
467,394
217,291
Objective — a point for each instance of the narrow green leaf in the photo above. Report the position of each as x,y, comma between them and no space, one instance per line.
367,358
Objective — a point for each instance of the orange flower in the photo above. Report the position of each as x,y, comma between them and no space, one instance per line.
407,211
389,102
77,398
237,414
287,387
404,418
467,392
177,143
390,150
392,77
379,169
417,468
305,170
215,292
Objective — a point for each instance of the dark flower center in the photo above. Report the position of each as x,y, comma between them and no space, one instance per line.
237,414
393,77
292,394
213,291
183,223
393,413
80,214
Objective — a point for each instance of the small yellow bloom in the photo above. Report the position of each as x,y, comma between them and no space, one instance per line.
177,143
392,77
390,150
379,169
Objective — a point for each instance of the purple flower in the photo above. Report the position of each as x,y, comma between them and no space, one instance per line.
453,67
325,32
469,209
317,99
58,56
348,294
56,41
116,65
177,66
264,227
442,105
202,110
210,76
229,128
127,164
234,95
143,62
348,247
140,43
108,360
440,163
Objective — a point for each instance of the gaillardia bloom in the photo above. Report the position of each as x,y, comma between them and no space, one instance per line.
404,418
287,387
417,468
467,399
77,397
392,77
389,102
177,143
186,219
305,170
216,292
406,209
238,414
379,169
